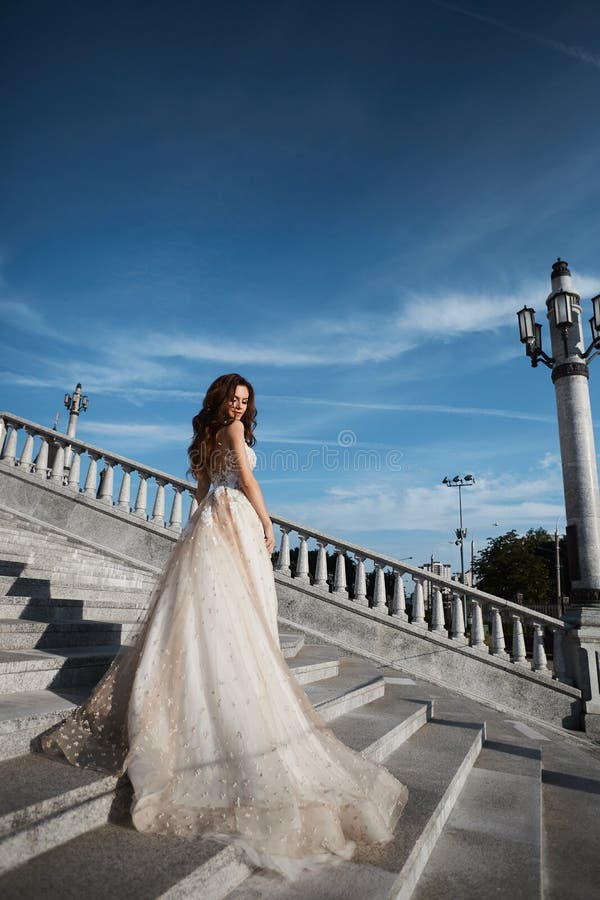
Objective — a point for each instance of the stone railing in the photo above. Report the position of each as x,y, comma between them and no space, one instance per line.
74,464
438,605
441,606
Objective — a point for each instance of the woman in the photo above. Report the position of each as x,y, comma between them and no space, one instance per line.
202,712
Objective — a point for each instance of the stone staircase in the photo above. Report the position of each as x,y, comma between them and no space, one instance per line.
474,825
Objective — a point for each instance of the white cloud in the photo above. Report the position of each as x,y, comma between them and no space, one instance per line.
137,433
419,407
393,506
26,317
586,285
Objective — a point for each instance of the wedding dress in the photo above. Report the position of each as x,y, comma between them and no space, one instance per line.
203,714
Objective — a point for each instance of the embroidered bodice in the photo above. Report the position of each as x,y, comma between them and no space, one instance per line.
228,474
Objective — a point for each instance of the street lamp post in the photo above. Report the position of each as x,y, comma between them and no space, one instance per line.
569,364
75,404
460,482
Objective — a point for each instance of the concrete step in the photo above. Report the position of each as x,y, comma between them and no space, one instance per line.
198,869
67,589
34,670
43,797
31,541
56,567
126,609
315,662
20,634
96,580
25,542
25,528
115,861
291,644
25,715
378,728
44,803
434,764
356,684
497,820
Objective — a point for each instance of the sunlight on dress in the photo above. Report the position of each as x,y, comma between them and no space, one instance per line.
203,714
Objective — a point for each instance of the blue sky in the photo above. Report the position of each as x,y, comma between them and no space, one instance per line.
346,202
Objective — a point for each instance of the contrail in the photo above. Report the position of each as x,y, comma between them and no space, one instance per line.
578,53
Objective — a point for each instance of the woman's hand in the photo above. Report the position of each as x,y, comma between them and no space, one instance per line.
269,538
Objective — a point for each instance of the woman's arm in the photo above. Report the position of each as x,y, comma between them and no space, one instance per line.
203,485
249,484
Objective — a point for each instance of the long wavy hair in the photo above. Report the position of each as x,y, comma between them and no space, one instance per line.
215,414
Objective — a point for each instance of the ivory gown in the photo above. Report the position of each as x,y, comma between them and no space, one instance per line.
216,736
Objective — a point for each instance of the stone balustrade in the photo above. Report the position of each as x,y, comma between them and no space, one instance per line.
443,613
358,576
98,474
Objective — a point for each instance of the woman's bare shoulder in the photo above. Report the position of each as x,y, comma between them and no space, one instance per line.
234,433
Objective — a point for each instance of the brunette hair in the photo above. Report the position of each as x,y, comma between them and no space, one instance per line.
215,414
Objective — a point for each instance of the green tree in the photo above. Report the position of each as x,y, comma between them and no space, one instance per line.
517,567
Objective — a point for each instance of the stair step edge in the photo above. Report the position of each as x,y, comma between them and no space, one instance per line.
408,877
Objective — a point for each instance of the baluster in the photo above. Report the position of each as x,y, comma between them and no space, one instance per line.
559,659
41,460
457,629
540,662
2,435
193,506
339,582
498,642
519,657
75,469
302,573
175,516
141,498
158,510
89,488
68,456
379,594
58,466
9,451
125,489
477,632
105,492
360,582
418,604
321,569
438,624
26,460
283,558
398,609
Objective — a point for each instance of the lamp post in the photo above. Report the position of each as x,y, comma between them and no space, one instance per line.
460,482
569,364
75,404
570,373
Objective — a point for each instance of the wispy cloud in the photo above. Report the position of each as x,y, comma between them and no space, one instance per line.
417,407
163,433
586,285
25,317
154,363
578,53
393,506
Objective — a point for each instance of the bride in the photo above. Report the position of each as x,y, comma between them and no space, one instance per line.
202,712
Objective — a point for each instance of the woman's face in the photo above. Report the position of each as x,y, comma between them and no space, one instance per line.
239,401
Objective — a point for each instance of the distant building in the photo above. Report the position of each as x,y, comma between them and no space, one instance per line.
436,568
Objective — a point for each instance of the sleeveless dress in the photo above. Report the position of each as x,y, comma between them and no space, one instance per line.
202,712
